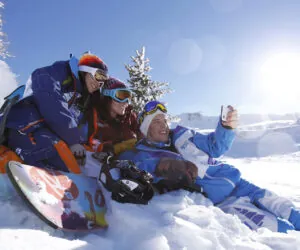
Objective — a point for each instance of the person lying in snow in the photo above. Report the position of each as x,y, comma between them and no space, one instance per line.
44,126
182,157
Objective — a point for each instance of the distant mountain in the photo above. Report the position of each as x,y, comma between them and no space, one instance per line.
200,121
256,136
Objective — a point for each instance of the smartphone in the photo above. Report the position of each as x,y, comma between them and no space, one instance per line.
224,112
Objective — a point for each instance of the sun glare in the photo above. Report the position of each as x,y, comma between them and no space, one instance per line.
281,76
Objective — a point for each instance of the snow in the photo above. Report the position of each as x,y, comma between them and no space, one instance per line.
176,220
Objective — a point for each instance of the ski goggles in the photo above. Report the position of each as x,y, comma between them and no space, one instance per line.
119,95
98,74
150,108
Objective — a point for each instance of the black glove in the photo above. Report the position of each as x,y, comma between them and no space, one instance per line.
103,157
122,164
130,171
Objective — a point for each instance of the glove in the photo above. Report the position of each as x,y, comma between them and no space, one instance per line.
124,145
103,157
108,159
79,153
123,164
177,171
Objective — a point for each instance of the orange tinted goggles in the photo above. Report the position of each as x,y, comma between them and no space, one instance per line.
119,95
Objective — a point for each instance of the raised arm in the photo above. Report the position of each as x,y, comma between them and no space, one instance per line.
216,143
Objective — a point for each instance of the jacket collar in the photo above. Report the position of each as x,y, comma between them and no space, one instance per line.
73,63
158,145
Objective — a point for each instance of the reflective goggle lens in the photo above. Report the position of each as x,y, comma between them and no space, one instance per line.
123,94
119,95
150,108
99,76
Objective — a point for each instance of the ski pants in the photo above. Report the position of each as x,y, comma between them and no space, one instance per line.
42,148
258,207
219,182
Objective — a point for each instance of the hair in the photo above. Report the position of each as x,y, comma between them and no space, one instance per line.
103,106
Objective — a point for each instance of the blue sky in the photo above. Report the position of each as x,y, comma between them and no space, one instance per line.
211,52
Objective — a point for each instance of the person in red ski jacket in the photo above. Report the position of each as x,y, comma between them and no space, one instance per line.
113,126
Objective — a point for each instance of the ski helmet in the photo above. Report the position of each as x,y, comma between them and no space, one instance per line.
89,60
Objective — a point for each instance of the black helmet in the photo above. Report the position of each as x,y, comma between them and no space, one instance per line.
133,186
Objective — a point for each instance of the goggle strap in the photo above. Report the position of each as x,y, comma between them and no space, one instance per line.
112,94
91,70
159,106
87,69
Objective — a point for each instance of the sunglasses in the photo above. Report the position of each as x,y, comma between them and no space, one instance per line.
150,108
98,74
119,95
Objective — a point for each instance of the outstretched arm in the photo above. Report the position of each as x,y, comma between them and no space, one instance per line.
216,143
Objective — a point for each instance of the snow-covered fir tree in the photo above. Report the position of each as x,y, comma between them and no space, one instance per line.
3,42
144,88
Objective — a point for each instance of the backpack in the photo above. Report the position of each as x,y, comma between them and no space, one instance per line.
6,154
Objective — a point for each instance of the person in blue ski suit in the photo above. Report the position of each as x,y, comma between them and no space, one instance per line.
45,126
181,158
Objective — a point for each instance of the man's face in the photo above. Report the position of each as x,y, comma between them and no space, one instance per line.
158,130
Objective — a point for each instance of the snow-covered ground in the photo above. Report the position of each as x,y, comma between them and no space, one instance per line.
177,220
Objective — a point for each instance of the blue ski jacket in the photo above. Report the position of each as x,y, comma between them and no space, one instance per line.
220,178
48,99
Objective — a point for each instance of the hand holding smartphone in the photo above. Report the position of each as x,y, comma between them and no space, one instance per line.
224,112
229,117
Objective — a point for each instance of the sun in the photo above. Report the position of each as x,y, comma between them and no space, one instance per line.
281,76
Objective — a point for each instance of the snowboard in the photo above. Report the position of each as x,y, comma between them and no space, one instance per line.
66,201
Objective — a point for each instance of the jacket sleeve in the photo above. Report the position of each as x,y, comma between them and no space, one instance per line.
53,107
216,143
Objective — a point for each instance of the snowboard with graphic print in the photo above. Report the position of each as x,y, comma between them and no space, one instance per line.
67,201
